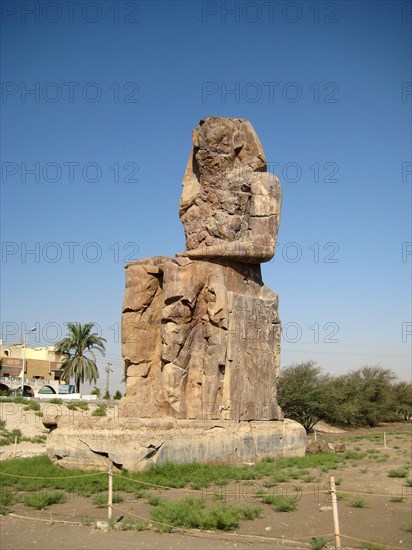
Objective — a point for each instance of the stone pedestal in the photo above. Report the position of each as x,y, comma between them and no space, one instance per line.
138,444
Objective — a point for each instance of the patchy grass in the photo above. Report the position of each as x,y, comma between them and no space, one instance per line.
76,405
7,438
32,406
86,520
101,500
310,479
358,503
397,499
131,525
167,475
280,502
41,500
283,504
153,500
6,499
100,410
199,476
191,513
41,468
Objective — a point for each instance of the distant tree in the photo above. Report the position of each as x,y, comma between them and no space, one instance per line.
78,349
301,393
96,391
106,395
363,397
402,396
117,395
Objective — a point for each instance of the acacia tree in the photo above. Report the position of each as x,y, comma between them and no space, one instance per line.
301,393
78,349
363,397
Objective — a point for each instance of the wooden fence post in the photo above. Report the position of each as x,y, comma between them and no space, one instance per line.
335,512
110,496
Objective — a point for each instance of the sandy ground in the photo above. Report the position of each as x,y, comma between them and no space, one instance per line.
381,519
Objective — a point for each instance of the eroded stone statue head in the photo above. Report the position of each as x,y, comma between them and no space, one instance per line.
230,205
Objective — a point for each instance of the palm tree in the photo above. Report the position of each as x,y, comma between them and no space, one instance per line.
79,342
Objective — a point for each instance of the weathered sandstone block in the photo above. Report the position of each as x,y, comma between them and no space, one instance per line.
201,342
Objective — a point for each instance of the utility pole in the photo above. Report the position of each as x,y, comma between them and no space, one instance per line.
108,371
26,333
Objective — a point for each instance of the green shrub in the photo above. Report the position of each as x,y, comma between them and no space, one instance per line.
318,543
358,503
398,472
56,401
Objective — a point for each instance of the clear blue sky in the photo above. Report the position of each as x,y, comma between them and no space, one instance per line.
95,156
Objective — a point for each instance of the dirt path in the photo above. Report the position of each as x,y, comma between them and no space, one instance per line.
21,534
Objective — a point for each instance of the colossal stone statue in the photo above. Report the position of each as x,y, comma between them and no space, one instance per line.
201,332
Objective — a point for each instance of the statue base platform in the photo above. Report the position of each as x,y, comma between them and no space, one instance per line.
138,443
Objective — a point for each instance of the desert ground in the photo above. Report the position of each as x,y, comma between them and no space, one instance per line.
374,506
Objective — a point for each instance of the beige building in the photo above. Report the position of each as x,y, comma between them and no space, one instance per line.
42,368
